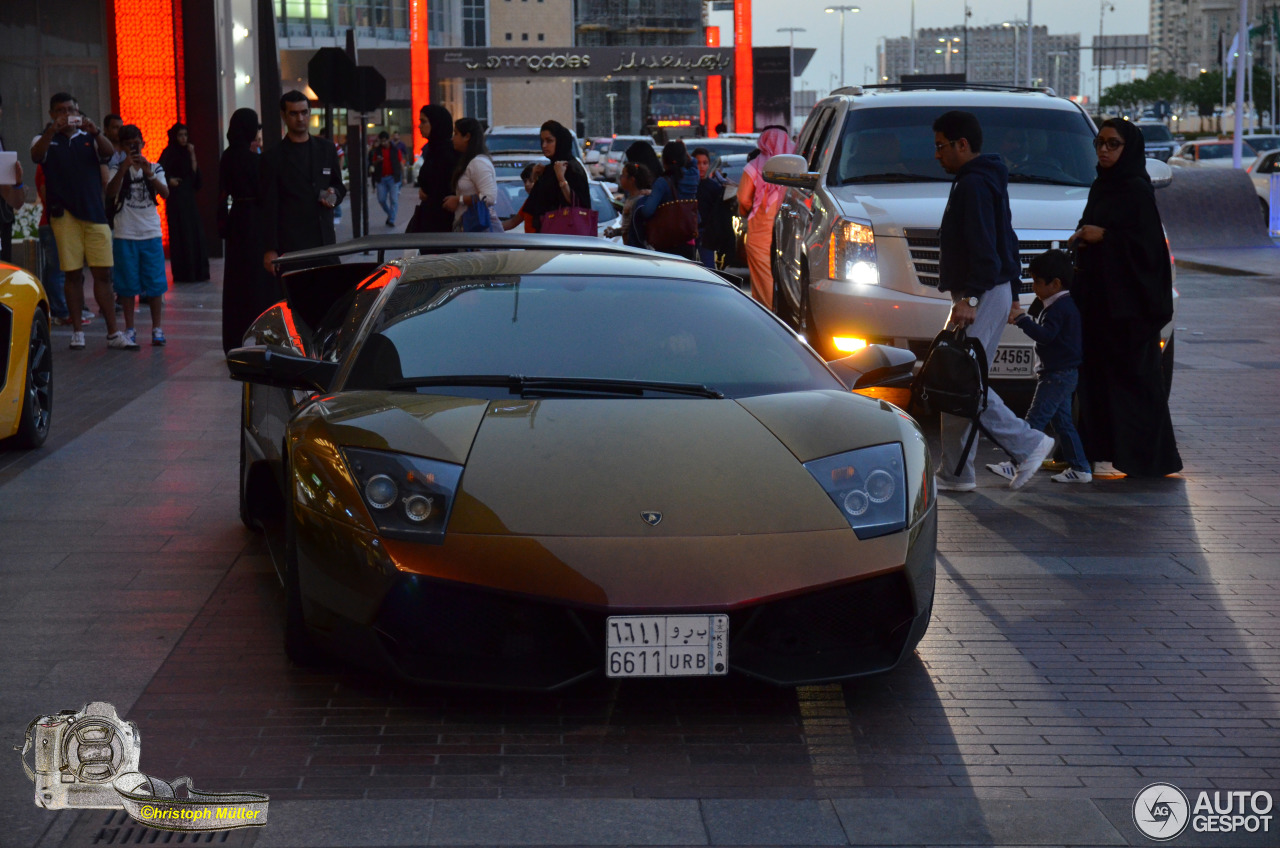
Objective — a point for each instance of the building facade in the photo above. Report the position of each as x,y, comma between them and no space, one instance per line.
1188,36
986,54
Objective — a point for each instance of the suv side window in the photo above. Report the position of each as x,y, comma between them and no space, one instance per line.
820,135
805,142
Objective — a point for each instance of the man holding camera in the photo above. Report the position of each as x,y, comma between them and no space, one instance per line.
72,150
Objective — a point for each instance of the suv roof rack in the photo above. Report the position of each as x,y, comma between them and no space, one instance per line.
942,86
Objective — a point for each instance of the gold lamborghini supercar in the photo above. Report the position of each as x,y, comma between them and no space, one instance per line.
26,367
548,458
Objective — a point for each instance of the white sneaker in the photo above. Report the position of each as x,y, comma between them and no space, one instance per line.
132,333
77,340
1029,466
1072,476
121,341
1005,469
946,484
1106,469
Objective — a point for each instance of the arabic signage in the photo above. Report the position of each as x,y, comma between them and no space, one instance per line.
587,62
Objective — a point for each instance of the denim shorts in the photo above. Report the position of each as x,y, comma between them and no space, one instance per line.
139,267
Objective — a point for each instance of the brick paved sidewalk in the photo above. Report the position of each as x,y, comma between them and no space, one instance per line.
1087,641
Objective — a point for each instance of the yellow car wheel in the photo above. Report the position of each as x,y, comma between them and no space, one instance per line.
37,391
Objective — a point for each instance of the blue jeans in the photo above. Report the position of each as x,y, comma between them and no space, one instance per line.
1052,404
389,196
51,275
707,257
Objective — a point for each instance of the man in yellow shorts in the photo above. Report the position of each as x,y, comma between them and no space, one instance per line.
72,150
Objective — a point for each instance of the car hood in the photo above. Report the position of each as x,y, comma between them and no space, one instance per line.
892,208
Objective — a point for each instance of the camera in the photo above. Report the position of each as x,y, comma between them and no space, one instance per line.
78,754
74,120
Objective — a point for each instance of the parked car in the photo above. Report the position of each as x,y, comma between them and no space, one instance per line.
551,458
1158,140
26,393
1210,154
597,155
1262,142
855,242
617,157
514,139
1261,171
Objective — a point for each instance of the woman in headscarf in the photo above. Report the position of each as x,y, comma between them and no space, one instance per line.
643,153
678,181
435,177
1124,290
188,255
759,201
562,183
248,289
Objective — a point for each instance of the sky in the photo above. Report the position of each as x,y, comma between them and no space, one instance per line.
892,18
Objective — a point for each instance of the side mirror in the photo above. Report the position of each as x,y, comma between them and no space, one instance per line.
875,366
791,170
1160,173
274,366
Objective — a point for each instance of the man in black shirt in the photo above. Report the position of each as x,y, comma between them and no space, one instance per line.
301,185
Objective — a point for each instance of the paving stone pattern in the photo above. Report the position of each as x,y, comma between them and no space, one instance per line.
1087,641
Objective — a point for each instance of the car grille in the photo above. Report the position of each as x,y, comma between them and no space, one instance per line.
924,246
441,632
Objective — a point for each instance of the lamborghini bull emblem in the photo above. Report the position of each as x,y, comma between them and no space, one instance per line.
651,518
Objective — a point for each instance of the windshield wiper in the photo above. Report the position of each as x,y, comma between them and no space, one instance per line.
894,177
1033,178
518,384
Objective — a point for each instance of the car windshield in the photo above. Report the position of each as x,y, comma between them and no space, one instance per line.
1155,132
1264,142
511,196
598,328
720,146
1052,146
674,101
1218,151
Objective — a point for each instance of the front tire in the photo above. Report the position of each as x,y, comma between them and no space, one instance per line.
37,389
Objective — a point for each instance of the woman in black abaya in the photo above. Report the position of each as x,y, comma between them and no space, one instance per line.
247,289
187,253
1124,290
436,174
562,183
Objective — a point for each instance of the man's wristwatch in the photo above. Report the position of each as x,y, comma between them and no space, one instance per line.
971,300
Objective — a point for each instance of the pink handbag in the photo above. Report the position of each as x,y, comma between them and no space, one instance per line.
572,220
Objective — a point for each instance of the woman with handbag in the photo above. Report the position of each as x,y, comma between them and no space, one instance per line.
759,201
563,185
475,185
669,215
435,177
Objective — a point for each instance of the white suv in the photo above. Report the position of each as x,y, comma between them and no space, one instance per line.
855,243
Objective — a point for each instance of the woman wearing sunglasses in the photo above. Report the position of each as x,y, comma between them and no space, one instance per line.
1124,290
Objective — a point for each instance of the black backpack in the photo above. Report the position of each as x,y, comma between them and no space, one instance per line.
115,204
953,380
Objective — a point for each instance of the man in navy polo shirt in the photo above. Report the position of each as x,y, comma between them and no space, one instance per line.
72,150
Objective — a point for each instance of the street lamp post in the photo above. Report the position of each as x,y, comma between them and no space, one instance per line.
1057,70
791,64
612,96
842,10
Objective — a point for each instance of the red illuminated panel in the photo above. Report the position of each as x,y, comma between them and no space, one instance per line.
149,72
715,98
419,75
743,82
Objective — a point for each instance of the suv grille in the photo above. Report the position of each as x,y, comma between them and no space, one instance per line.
924,246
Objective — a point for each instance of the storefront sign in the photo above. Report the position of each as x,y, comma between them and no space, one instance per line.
587,62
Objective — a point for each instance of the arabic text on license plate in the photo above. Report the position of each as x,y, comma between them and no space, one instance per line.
1013,361
667,645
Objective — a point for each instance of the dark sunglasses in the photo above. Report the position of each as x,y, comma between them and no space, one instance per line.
1109,143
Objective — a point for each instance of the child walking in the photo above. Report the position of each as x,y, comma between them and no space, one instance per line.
138,245
1056,332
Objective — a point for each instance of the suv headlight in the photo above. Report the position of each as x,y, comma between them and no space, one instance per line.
408,497
868,486
851,253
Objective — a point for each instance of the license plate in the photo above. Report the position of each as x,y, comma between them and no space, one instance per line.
1014,361
667,645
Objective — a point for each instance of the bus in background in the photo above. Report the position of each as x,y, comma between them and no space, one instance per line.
673,110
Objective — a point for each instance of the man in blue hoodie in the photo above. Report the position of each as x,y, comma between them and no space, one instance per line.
979,267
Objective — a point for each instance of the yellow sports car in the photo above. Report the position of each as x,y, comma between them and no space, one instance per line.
551,457
26,395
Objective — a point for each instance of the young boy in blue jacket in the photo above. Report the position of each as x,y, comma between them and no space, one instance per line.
1056,332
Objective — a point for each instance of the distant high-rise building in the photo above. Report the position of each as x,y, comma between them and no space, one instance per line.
986,54
1188,36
